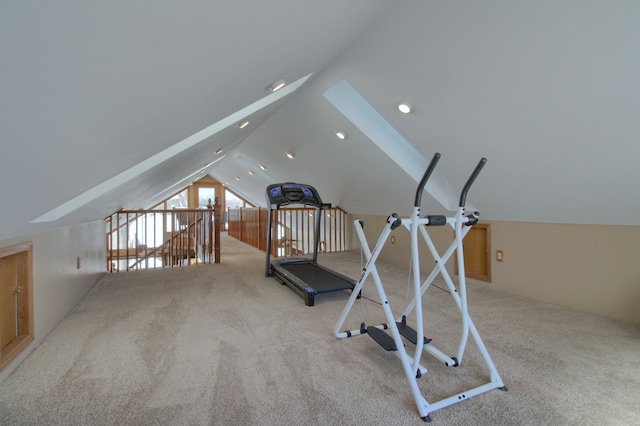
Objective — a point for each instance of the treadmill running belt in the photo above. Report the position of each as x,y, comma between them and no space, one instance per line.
317,277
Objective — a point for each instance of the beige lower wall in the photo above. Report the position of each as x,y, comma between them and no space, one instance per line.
591,268
58,285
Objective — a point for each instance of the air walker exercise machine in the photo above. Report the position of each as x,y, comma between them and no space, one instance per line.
398,327
305,276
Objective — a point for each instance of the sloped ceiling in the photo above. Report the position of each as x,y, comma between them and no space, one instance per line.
547,91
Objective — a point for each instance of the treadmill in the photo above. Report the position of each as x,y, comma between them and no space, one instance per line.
305,276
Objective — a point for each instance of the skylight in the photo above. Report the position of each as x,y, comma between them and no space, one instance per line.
353,106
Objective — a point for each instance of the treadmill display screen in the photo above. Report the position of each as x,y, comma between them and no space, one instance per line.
280,194
275,192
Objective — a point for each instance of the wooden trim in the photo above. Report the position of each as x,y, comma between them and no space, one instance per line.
16,249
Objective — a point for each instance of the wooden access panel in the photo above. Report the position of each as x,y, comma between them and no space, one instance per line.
477,247
8,312
16,301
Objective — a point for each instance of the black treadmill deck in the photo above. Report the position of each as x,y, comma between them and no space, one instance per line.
307,278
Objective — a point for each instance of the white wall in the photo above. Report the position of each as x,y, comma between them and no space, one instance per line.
57,283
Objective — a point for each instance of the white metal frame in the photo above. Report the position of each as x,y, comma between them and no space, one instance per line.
416,225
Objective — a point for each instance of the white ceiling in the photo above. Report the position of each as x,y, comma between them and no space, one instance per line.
91,93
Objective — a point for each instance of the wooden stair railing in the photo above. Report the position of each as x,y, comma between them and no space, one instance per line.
189,236
172,245
293,229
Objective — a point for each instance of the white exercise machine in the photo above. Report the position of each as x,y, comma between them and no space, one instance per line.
398,326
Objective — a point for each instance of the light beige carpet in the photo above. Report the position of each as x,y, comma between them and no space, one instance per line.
225,345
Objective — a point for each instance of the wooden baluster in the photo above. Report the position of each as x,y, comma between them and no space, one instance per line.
217,217
210,231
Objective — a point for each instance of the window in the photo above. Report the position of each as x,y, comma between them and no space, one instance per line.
179,201
204,195
233,201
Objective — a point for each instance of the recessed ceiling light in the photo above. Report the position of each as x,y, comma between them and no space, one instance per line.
291,155
404,107
243,124
276,85
218,152
341,135
263,167
238,178
251,172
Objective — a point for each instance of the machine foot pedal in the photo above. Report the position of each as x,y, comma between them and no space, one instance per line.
409,333
382,338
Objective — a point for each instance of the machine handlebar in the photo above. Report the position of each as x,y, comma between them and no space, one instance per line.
474,175
425,178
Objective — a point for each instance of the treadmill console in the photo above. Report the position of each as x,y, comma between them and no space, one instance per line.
282,194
